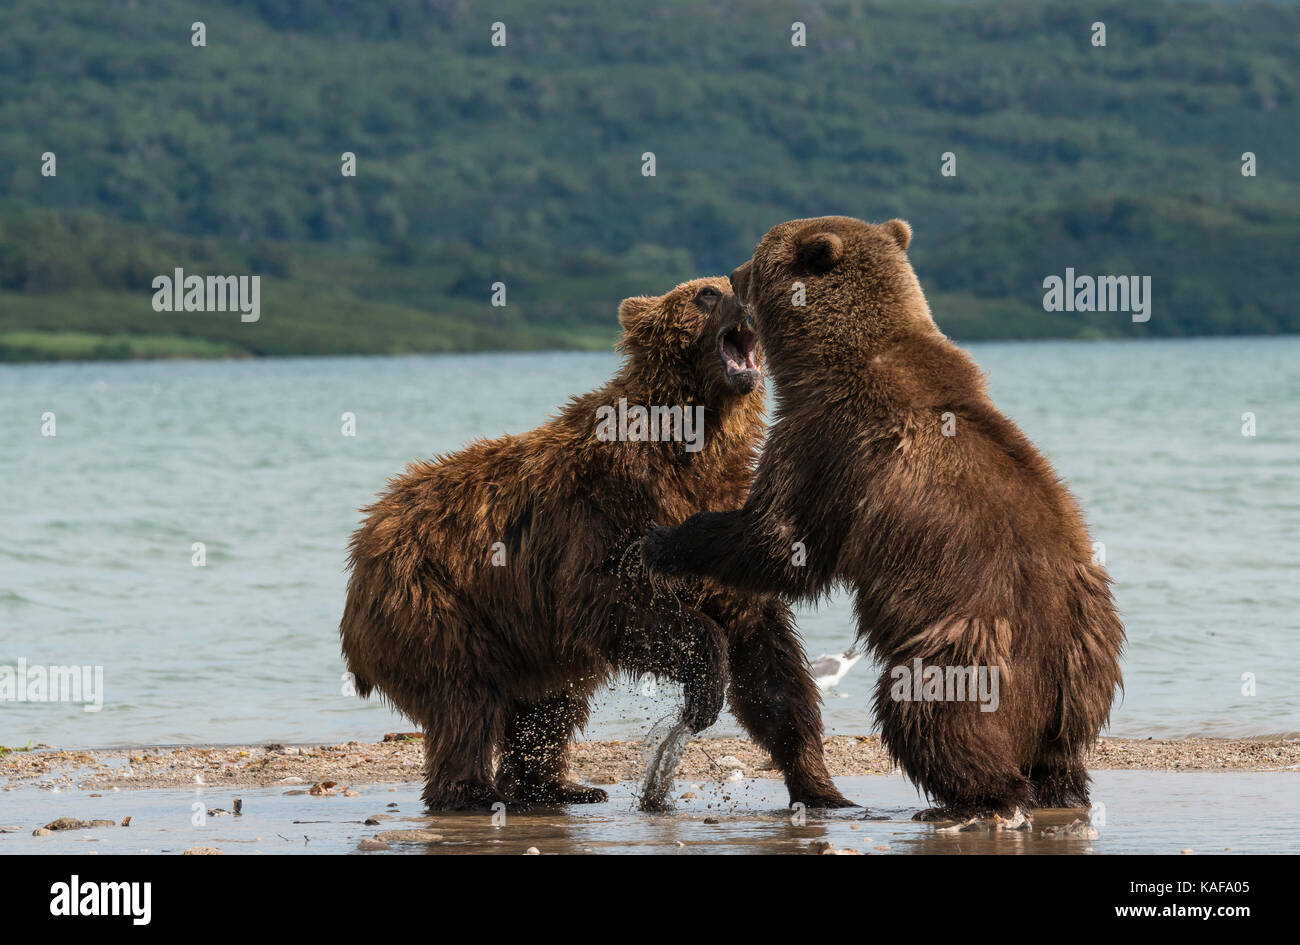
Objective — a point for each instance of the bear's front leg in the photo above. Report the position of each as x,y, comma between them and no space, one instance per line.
727,547
667,550
681,644
705,545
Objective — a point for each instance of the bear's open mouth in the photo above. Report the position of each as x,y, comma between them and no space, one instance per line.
737,346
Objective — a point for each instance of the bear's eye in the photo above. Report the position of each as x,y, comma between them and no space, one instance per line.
707,298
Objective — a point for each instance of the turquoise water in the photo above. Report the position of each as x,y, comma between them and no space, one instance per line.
98,522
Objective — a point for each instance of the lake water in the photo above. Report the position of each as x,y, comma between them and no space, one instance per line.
1134,812
97,524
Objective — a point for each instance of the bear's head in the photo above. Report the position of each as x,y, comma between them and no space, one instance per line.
827,290
696,338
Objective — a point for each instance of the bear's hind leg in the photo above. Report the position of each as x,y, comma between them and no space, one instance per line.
966,780
1004,799
534,758
962,758
1059,780
458,743
775,698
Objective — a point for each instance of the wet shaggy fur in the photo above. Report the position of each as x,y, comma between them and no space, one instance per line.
961,549
497,660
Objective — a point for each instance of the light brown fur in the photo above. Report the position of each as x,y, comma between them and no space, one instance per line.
499,662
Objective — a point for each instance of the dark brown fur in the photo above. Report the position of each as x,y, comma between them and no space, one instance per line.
500,661
961,550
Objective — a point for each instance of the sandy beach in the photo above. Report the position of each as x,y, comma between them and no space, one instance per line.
398,759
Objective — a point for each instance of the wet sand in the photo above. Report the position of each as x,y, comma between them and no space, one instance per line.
604,762
1161,812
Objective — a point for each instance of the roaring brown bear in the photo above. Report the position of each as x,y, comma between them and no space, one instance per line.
492,590
889,469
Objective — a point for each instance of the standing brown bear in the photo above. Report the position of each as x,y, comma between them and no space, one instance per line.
491,591
889,469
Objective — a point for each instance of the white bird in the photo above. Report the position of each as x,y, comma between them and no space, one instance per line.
828,669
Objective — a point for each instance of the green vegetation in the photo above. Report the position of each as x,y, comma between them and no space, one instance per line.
522,164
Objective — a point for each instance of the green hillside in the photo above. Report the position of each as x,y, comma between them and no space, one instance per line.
523,164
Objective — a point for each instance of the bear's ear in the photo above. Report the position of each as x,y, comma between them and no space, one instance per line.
820,251
899,231
631,310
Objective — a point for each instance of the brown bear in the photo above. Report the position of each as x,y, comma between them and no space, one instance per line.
493,590
888,469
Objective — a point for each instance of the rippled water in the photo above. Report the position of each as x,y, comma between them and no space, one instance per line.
97,526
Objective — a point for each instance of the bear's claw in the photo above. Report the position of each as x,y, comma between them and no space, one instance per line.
824,801
656,550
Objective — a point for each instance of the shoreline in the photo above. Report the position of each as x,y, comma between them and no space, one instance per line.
11,357
399,759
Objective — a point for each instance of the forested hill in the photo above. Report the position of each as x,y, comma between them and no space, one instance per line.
527,163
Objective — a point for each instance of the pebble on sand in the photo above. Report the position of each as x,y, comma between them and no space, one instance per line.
72,823
399,761
409,836
826,848
1075,828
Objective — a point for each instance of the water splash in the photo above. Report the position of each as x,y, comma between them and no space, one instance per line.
666,744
